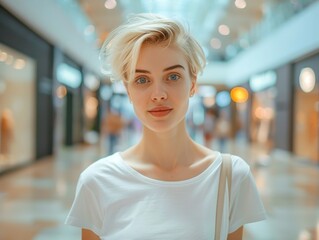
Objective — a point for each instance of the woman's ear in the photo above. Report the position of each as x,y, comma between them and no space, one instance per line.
193,87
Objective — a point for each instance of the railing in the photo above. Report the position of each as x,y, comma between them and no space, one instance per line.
275,16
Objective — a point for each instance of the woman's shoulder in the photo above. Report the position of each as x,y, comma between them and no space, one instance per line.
101,170
240,168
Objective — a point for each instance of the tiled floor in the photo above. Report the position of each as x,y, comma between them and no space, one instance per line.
34,201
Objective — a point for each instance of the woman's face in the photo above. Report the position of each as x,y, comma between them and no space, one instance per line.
161,87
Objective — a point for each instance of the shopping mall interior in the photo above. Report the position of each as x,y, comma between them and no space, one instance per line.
257,98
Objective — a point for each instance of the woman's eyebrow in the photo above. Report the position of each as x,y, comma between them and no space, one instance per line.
141,71
166,69
173,67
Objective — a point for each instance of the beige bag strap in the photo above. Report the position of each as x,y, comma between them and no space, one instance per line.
225,176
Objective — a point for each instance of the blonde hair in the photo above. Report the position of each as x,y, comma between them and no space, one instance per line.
120,51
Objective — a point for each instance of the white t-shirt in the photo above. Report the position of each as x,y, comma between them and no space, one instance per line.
117,202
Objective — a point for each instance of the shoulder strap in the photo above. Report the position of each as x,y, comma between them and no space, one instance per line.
225,176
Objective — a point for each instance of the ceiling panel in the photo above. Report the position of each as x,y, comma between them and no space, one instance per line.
202,16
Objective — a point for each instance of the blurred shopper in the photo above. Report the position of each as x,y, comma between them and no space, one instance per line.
113,126
166,186
6,132
209,127
223,130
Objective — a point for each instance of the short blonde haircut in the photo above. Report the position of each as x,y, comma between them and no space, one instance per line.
120,51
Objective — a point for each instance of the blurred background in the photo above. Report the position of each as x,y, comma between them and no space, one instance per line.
258,98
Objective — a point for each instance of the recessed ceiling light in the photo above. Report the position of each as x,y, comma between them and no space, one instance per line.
223,29
215,43
110,4
240,4
307,79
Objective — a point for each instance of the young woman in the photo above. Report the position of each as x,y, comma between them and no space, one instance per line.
164,187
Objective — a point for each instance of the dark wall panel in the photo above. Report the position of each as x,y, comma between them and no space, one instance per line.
284,105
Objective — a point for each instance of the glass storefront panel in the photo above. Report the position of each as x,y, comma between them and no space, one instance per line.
306,139
68,106
263,115
17,108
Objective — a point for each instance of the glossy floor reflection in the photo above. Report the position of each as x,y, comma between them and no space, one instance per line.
34,201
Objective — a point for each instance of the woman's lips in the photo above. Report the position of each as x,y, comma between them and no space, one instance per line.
160,111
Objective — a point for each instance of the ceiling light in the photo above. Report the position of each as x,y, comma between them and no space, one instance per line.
239,94
215,43
223,29
240,4
110,4
307,80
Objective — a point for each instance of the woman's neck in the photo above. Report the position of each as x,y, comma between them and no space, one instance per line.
166,150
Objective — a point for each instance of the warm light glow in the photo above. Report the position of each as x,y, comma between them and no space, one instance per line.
307,80
209,102
304,235
110,4
269,113
91,105
239,94
240,4
264,113
215,43
3,56
259,113
19,64
223,29
61,91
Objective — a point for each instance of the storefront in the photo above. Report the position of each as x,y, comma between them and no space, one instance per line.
68,101
306,109
26,109
263,108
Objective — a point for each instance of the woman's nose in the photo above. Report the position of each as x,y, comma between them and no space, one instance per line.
159,93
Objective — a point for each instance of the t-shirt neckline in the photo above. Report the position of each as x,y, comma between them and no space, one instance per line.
144,178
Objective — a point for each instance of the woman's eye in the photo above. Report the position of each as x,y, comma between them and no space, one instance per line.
141,80
173,77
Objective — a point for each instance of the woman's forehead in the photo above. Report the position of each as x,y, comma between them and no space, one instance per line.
161,56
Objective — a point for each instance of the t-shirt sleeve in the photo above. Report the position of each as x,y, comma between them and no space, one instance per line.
246,205
85,211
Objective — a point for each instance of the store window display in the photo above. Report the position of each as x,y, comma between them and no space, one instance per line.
17,108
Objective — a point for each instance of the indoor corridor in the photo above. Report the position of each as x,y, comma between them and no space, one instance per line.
257,97
34,200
